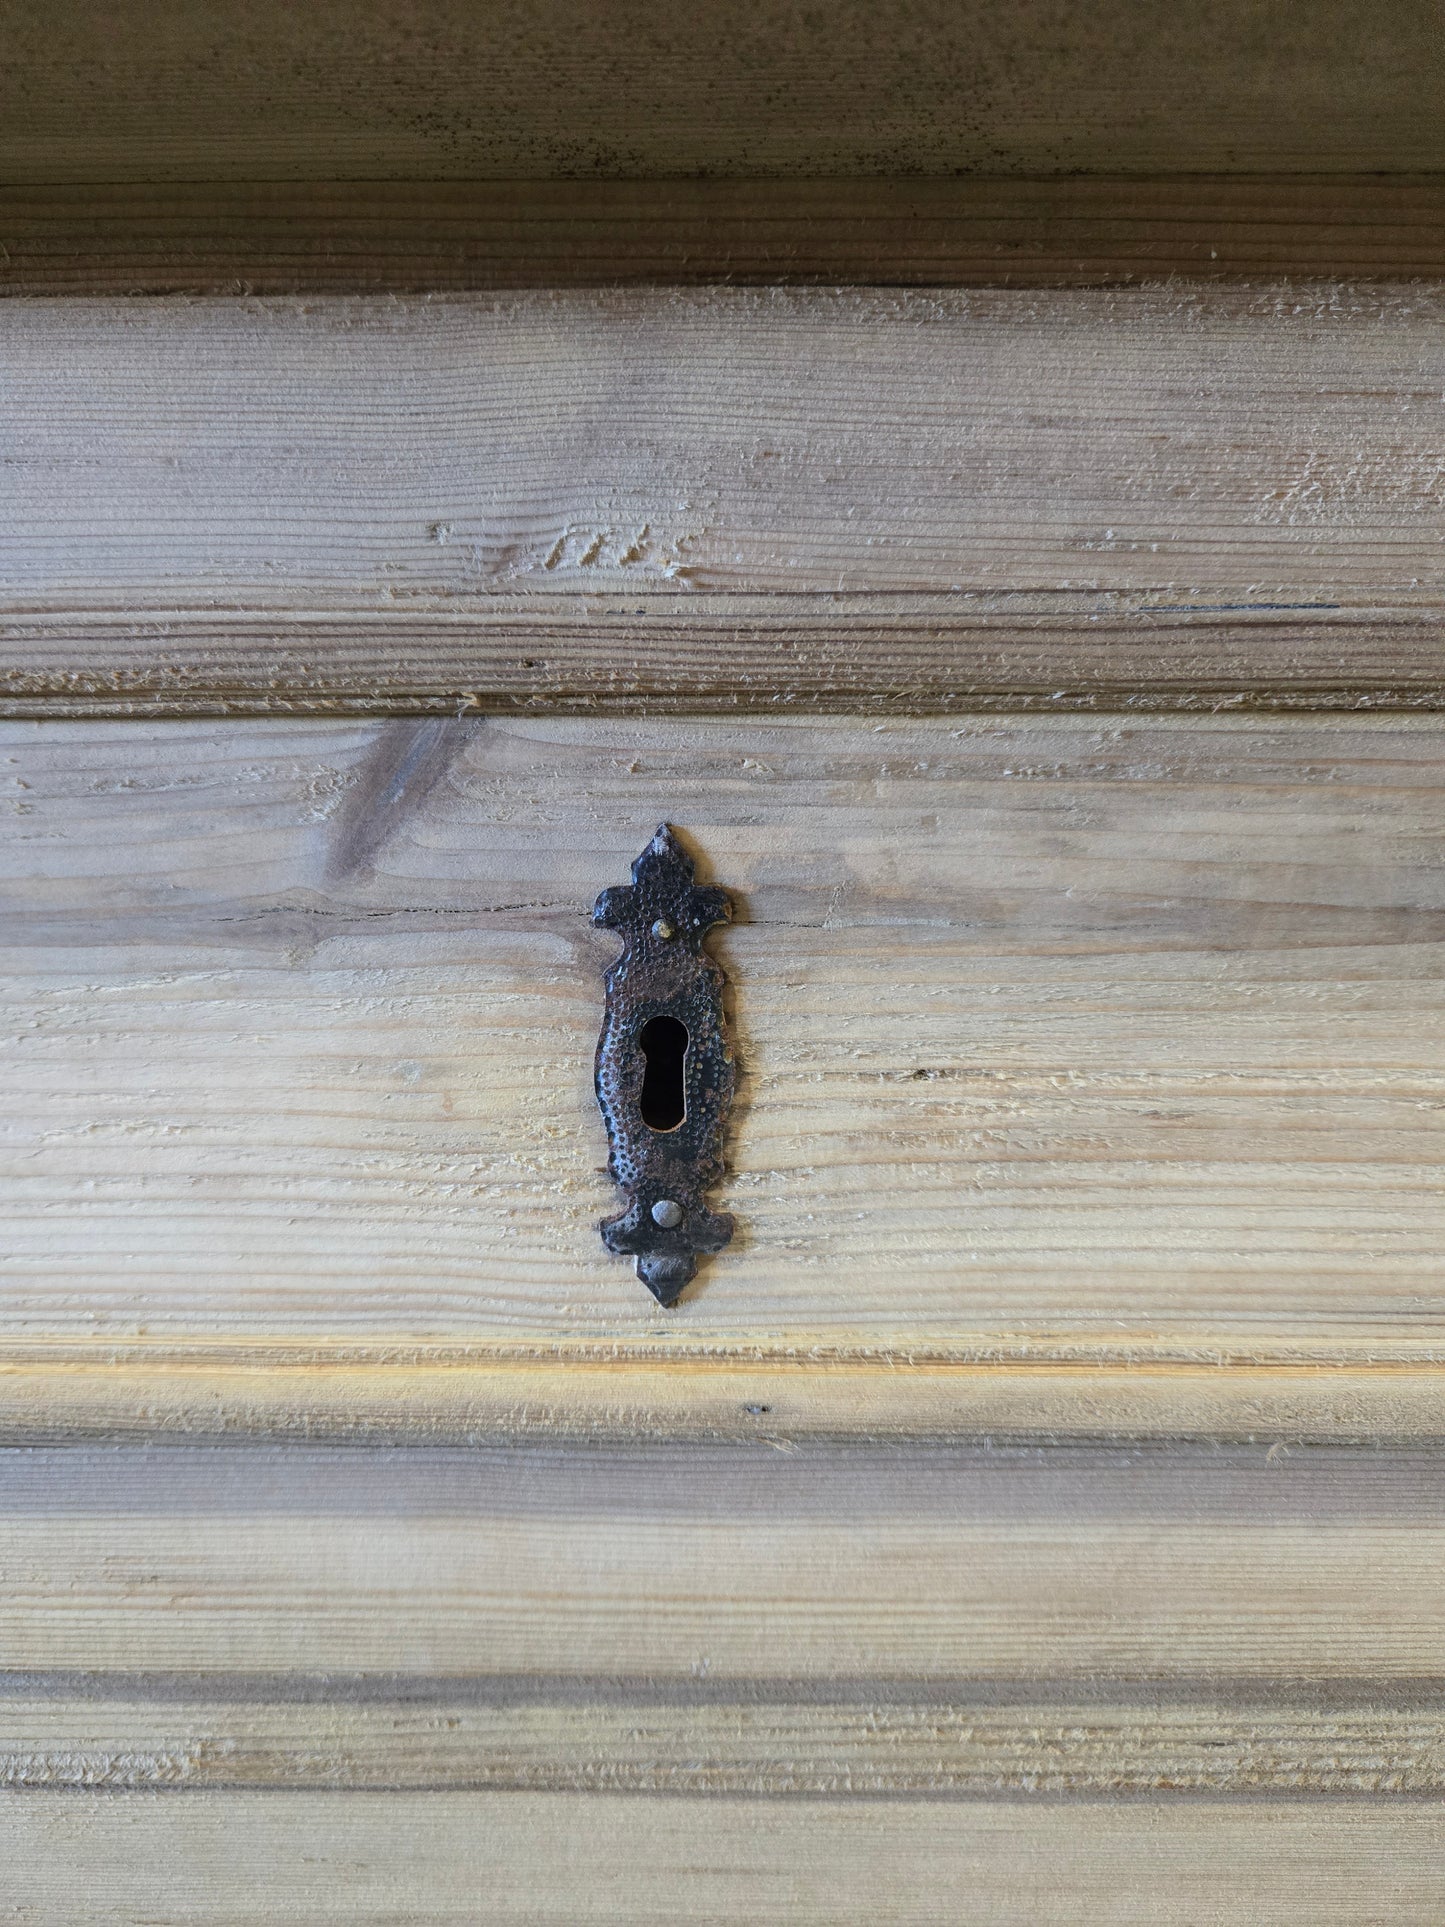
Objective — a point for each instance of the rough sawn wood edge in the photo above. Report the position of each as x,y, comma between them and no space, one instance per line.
722,654
188,1733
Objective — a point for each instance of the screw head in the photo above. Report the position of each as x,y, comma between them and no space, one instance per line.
663,930
668,1213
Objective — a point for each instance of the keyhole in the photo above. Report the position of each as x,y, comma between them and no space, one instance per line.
663,1103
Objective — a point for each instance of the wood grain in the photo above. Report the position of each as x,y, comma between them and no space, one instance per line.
1062,1041
390,1860
299,1026
1244,1383
926,1624
257,89
833,1573
363,237
714,499
1088,1162
198,1734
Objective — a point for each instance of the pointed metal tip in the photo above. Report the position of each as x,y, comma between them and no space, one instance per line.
665,849
666,1277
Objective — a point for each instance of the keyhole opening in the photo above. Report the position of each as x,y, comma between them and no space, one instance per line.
663,1103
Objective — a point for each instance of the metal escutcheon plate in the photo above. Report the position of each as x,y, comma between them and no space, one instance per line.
665,1072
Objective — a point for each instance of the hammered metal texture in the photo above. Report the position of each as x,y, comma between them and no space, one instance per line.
664,975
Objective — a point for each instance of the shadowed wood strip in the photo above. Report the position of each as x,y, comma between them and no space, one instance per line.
241,89
358,237
701,654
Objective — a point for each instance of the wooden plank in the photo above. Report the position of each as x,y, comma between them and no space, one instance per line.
698,1621
254,89
200,1734
391,1860
363,237
715,499
926,1624
1235,1384
1066,1044
835,1574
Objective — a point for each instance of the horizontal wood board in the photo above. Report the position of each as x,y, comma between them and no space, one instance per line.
390,1860
832,1571
921,1623
934,1634
197,1733
358,89
362,237
1194,494
1079,1059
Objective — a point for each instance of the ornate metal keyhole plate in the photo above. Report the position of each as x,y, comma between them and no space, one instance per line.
665,1072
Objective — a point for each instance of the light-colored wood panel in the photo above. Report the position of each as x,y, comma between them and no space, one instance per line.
718,497
192,1735
527,1860
1053,1034
359,237
727,1565
919,1622
1243,1383
344,90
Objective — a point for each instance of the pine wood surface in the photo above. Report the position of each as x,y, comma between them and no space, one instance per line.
428,1685
965,1514
1080,1058
1246,1383
361,237
447,1858
959,1548
707,499
929,1739
828,1564
917,1621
